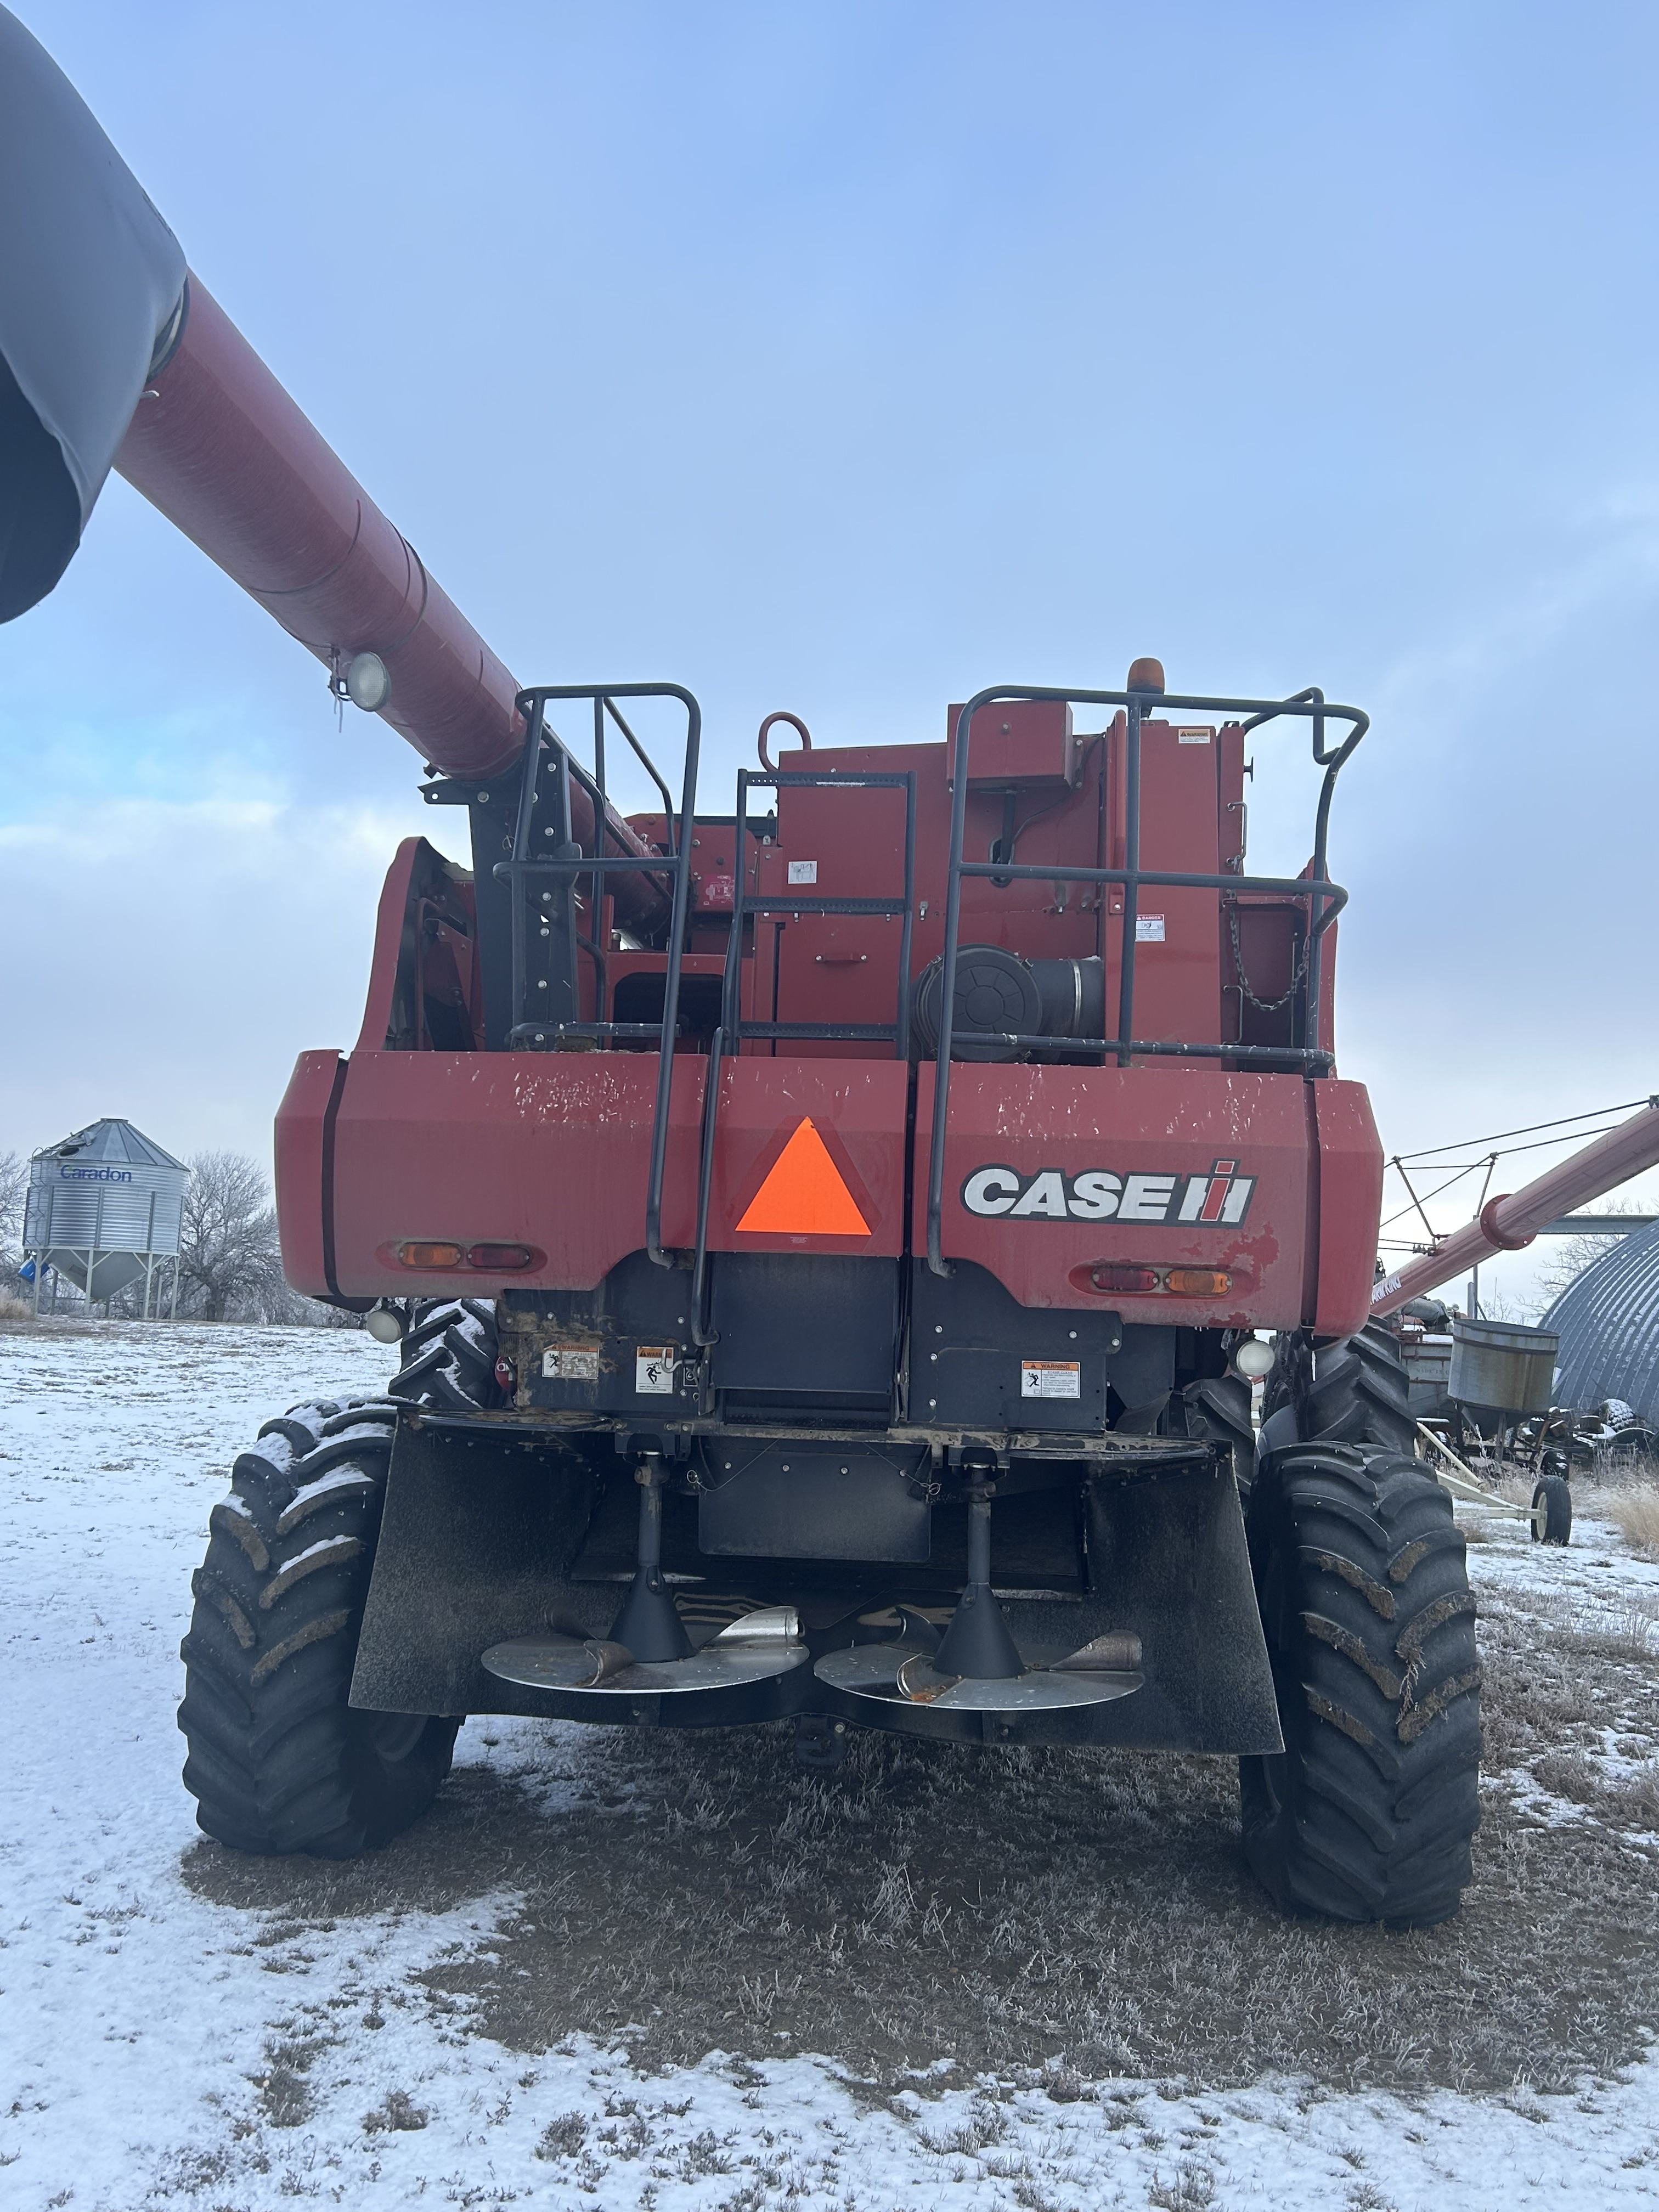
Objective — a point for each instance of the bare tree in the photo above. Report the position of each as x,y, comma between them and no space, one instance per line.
14,1190
228,1261
1571,1255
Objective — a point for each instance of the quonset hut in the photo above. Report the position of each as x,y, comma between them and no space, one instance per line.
1607,1320
105,1207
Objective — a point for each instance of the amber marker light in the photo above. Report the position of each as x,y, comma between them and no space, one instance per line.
431,1258
1200,1282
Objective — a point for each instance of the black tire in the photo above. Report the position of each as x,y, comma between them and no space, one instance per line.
1219,1410
279,1760
1352,1391
1362,1582
447,1360
1552,1511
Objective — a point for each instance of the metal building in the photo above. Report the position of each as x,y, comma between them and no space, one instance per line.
105,1208
1607,1320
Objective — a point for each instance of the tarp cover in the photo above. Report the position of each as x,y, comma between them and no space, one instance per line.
90,279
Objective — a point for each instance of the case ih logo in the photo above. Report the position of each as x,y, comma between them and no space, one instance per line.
1221,1197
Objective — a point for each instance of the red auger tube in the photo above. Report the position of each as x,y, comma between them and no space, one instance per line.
220,447
1508,1224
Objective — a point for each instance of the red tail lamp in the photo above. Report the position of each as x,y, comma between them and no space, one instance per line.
1109,1277
1200,1282
507,1256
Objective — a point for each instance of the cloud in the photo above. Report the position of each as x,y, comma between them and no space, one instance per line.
168,961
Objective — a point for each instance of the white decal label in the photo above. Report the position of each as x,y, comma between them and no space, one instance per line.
1146,1197
1220,1198
653,1370
1149,929
1191,737
803,872
1050,1378
562,1365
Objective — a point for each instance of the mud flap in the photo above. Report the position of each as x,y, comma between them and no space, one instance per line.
1168,1560
477,1531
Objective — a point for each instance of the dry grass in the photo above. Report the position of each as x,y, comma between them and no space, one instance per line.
1068,1916
16,1308
1635,1514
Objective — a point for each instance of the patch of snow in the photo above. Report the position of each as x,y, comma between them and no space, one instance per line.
148,2032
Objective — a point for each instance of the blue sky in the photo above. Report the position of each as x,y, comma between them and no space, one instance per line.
846,357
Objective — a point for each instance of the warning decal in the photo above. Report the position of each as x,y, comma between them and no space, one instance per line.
1050,1378
805,1194
653,1370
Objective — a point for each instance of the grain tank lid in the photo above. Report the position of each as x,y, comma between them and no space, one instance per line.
92,295
110,1142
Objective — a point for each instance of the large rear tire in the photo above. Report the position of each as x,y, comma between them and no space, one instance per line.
1218,1410
447,1360
278,1759
1352,1391
1362,1579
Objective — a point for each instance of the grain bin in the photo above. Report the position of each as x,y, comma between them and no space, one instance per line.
105,1208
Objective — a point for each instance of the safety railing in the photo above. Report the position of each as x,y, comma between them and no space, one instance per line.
1323,899
544,886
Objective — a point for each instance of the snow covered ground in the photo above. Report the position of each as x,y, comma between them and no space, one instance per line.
162,2048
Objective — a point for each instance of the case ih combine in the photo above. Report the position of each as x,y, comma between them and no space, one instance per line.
827,1234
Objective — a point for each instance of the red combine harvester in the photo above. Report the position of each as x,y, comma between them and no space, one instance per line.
826,1240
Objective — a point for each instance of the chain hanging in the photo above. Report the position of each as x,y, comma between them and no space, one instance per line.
1298,972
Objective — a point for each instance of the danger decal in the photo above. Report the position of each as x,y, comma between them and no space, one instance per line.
1219,1198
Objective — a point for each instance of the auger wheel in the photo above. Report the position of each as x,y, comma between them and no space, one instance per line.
278,1759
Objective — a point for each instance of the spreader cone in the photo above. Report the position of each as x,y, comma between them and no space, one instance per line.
649,1626
977,1643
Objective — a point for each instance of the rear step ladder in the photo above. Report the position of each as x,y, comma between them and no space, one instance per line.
734,1030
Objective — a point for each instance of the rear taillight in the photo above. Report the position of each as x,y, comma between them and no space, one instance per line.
431,1258
1200,1282
1108,1277
510,1256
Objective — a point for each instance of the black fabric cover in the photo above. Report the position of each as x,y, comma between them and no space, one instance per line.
91,280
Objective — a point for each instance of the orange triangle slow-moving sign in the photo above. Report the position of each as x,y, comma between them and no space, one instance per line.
805,1194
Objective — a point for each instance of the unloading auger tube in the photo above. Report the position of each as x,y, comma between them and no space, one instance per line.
113,354
1511,1222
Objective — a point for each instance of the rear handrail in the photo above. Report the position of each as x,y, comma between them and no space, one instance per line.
570,862
733,1029
1325,900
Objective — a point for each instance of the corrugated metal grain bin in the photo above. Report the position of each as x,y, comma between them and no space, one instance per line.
103,1206
1608,1319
